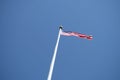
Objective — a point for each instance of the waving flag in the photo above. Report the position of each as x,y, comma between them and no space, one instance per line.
70,33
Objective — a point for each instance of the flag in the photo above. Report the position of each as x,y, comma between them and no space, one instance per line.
80,35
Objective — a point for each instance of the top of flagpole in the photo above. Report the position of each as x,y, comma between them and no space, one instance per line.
61,27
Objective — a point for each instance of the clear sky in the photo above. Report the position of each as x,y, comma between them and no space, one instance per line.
28,33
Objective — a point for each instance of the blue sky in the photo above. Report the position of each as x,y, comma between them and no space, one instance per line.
29,29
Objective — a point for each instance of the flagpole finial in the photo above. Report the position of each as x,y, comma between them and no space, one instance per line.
61,27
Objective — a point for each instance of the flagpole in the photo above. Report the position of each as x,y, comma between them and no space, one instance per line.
54,56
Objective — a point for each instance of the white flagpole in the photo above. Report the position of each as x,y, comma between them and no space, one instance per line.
54,56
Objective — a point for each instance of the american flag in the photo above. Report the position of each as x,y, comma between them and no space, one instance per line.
80,35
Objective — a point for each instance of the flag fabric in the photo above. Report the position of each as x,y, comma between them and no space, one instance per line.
80,35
